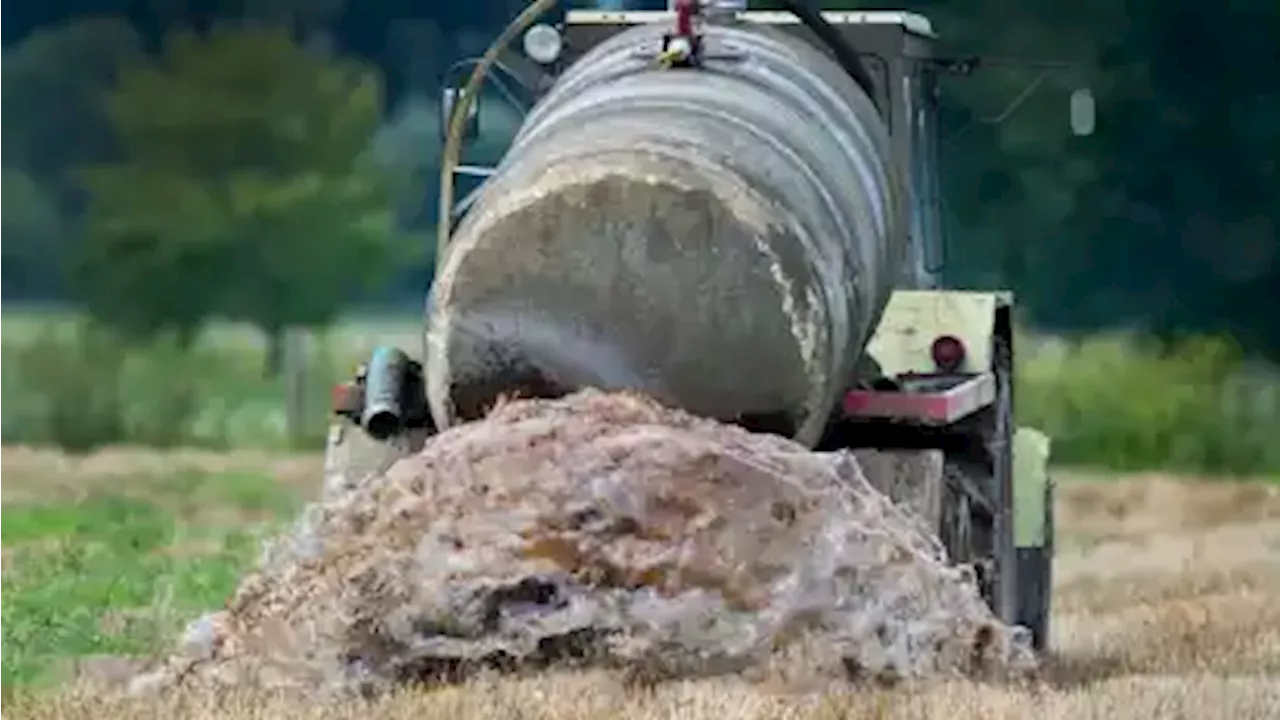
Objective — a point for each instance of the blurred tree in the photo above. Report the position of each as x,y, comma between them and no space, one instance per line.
54,80
34,232
246,191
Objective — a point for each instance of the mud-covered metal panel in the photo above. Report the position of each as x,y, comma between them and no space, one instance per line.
913,319
1030,479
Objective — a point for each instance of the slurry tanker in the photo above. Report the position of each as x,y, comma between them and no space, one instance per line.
736,213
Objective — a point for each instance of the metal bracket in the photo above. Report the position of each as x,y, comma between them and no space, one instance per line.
483,171
922,399
721,51
722,55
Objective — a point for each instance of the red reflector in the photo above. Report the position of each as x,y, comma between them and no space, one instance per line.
948,353
340,397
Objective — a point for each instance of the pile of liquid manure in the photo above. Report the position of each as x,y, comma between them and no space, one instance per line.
599,530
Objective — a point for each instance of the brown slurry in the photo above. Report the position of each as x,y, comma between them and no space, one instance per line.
606,530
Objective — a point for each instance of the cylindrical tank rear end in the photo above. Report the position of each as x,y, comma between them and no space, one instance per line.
722,239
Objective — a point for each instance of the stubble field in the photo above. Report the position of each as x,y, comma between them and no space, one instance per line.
1165,604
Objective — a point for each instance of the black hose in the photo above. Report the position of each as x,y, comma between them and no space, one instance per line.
846,56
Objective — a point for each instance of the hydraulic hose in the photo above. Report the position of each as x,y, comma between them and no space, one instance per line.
845,54
453,138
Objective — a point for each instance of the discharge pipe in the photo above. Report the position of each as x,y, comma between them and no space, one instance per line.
387,385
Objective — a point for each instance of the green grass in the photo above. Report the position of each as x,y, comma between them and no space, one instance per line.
69,386
1117,403
118,573
1112,401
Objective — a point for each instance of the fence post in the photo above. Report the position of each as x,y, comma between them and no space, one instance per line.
295,378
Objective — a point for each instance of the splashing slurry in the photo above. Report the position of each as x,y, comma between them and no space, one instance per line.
600,529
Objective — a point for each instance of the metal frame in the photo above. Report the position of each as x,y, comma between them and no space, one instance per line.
969,414
912,22
500,82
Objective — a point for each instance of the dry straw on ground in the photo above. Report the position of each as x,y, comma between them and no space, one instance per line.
1164,609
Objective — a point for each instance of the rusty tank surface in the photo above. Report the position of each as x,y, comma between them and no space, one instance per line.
723,240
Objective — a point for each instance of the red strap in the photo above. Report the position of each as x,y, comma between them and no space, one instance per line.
684,18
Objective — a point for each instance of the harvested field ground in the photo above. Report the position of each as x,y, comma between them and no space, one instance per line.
1165,603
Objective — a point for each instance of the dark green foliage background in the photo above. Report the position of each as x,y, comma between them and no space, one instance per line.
1165,221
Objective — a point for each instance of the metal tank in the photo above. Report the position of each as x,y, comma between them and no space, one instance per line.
723,239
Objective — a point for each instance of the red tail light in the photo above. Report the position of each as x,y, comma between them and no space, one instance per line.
343,398
948,353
